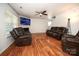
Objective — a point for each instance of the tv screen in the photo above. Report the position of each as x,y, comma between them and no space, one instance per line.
24,21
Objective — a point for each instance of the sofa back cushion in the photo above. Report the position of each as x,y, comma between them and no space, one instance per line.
26,29
19,31
62,29
53,29
27,32
59,29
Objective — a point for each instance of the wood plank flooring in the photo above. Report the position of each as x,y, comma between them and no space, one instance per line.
42,45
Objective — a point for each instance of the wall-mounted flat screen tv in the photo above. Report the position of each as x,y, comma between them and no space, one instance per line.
25,21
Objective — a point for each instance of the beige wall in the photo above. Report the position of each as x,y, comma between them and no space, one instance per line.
37,25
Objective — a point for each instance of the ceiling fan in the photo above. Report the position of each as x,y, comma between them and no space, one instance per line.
42,13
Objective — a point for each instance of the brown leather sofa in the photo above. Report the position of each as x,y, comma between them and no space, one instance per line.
56,32
22,36
70,44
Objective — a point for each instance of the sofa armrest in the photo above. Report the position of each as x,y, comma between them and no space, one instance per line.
68,35
13,34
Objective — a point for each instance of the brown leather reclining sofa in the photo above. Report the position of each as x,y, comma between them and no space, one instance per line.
57,32
22,36
70,44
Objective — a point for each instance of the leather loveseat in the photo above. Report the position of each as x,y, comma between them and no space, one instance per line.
22,36
57,32
70,44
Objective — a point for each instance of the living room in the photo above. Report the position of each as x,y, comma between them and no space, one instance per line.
45,29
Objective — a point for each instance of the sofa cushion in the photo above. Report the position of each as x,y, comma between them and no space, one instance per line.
58,29
54,29
19,31
61,30
26,31
24,36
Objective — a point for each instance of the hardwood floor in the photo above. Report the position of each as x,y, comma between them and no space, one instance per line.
42,45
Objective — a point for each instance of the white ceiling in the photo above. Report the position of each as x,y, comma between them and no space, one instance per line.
53,9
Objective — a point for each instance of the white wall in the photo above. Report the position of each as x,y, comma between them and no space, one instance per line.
73,14
38,25
5,40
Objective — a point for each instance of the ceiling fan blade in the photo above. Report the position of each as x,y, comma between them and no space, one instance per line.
38,12
43,12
